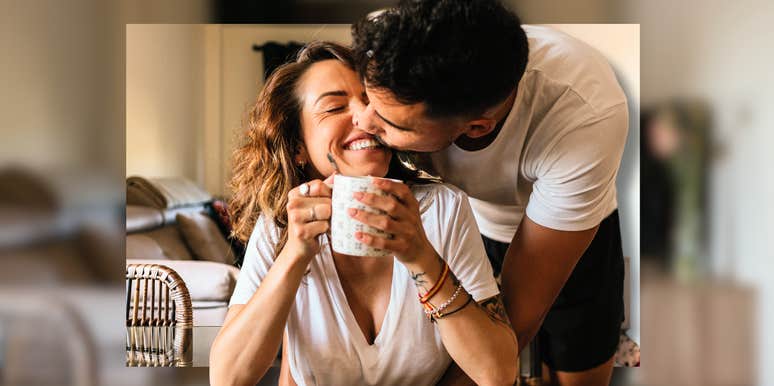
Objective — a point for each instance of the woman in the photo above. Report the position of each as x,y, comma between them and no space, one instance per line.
346,320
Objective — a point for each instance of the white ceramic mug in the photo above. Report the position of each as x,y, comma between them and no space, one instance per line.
343,227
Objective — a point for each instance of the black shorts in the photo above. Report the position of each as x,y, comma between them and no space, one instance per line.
582,328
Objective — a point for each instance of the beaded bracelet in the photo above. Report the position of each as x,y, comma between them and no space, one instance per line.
470,298
438,311
437,287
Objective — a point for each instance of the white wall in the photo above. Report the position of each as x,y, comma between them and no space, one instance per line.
50,83
620,44
165,100
242,75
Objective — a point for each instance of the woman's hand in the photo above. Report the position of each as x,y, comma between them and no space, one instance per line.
401,219
309,213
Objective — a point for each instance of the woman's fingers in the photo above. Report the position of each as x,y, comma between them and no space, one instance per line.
398,190
322,211
309,210
321,205
308,232
388,204
397,245
382,222
303,210
312,229
315,188
309,213
400,220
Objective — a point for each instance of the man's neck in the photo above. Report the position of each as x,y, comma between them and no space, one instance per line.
472,144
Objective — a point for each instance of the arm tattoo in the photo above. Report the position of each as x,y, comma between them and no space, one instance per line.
495,309
418,280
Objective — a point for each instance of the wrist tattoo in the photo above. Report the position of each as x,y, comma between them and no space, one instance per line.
419,281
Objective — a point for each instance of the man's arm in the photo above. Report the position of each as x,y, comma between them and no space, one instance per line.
538,263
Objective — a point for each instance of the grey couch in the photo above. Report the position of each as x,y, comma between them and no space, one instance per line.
187,239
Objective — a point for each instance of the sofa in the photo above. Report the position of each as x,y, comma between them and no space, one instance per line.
173,222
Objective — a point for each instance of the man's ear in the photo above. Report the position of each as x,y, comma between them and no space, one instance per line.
479,127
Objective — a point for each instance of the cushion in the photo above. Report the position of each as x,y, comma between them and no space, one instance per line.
143,247
164,192
139,218
205,280
203,237
170,239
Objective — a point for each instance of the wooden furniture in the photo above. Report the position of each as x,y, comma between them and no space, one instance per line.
159,316
156,296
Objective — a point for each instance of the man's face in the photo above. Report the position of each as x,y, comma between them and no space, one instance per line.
405,127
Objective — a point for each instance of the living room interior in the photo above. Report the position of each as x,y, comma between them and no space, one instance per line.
184,120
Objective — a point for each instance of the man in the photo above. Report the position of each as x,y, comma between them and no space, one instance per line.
531,123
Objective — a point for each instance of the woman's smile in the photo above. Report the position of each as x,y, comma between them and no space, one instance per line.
363,144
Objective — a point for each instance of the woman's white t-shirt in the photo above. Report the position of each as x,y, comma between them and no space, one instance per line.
327,347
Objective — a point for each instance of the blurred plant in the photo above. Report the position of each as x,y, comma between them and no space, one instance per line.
678,136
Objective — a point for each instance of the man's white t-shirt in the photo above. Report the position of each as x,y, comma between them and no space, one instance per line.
558,152
327,347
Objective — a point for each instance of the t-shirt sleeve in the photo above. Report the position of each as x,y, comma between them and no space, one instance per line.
464,251
574,186
259,257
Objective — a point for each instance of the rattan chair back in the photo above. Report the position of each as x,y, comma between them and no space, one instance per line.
156,296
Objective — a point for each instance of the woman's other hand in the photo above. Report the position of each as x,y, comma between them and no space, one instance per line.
401,220
309,214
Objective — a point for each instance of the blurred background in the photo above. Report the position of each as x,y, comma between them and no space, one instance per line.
697,155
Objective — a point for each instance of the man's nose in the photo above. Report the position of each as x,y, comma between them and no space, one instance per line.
363,120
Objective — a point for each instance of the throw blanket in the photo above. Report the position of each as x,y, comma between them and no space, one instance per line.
164,193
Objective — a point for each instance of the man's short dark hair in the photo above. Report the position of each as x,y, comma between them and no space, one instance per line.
460,57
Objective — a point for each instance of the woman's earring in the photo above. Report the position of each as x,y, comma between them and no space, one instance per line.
302,164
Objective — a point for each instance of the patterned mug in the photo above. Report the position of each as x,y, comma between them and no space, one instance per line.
343,227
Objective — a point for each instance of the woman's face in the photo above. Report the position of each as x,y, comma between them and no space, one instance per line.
330,94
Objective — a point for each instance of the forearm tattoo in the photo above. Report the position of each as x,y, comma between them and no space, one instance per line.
419,278
495,309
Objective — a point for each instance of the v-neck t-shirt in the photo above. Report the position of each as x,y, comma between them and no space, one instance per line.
326,345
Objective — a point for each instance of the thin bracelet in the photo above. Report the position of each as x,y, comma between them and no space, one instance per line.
470,298
446,303
437,287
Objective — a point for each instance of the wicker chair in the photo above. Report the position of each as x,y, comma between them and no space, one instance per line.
167,304
159,317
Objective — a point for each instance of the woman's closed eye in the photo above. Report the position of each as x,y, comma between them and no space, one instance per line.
334,109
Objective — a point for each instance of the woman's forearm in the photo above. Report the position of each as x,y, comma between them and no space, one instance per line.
248,342
484,346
